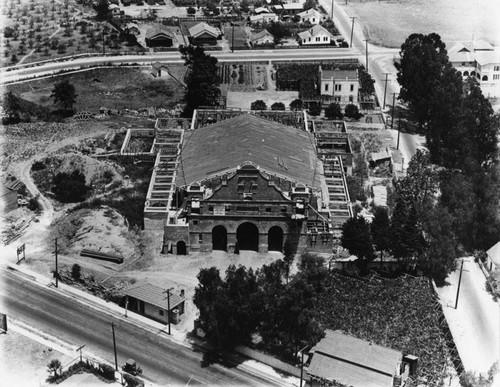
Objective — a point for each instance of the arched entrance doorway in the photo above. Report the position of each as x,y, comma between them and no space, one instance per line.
247,237
275,239
181,248
219,238
485,78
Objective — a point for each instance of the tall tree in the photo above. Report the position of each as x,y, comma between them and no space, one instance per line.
202,80
356,238
380,230
64,94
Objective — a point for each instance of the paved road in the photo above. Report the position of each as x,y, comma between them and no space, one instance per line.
175,57
163,361
475,324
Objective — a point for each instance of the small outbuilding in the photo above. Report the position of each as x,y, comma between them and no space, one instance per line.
155,302
344,359
493,254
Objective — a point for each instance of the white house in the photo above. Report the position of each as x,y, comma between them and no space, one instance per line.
263,37
480,60
341,85
493,254
316,35
312,16
263,18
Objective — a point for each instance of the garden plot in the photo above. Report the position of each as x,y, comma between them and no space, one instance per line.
243,77
389,23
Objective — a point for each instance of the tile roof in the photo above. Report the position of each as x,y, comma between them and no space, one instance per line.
353,362
348,75
201,28
153,295
313,31
225,145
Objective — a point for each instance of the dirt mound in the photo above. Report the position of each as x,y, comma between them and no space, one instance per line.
102,229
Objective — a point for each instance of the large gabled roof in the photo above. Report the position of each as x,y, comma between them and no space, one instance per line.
224,146
153,295
201,28
353,362
313,31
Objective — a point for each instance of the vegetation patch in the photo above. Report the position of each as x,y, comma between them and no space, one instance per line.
399,313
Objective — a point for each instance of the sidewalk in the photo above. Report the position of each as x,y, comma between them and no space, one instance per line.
475,324
250,366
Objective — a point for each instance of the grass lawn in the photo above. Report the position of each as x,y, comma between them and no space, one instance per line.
389,23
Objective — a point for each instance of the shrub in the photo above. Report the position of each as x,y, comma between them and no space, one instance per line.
493,284
258,105
352,111
191,11
133,381
38,166
315,109
107,371
33,205
296,104
278,106
70,188
76,272
333,111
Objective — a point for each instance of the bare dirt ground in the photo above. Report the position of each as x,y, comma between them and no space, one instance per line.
388,23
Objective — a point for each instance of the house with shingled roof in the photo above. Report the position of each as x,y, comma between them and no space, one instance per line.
203,34
346,360
314,36
155,302
160,36
312,16
262,38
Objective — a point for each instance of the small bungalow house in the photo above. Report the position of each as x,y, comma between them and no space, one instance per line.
339,358
263,18
159,36
260,10
289,9
155,302
132,29
312,16
316,35
203,34
341,85
262,38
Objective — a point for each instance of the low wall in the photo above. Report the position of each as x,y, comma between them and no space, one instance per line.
269,360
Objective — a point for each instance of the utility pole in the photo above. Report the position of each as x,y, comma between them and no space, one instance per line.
103,46
385,88
352,28
126,305
114,345
232,42
333,4
80,349
302,364
459,281
393,105
399,129
168,306
366,51
56,272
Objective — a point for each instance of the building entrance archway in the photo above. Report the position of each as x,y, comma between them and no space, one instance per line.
219,238
181,248
275,239
247,237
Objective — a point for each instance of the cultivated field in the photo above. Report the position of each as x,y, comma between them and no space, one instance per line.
389,23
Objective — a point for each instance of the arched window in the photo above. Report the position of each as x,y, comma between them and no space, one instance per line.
247,237
485,78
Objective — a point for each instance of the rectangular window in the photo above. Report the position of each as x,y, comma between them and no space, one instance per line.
351,98
326,86
318,39
496,76
200,238
309,39
338,87
195,222
161,312
352,87
325,38
496,68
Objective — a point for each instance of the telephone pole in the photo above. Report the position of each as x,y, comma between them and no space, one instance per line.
168,306
232,38
366,53
393,105
352,28
385,88
56,272
399,128
459,281
114,345
333,4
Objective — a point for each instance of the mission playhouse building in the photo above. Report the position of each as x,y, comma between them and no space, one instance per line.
247,181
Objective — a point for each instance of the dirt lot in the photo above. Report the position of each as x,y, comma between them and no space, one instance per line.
114,88
389,23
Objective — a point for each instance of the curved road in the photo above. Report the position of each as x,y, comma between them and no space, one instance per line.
164,361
